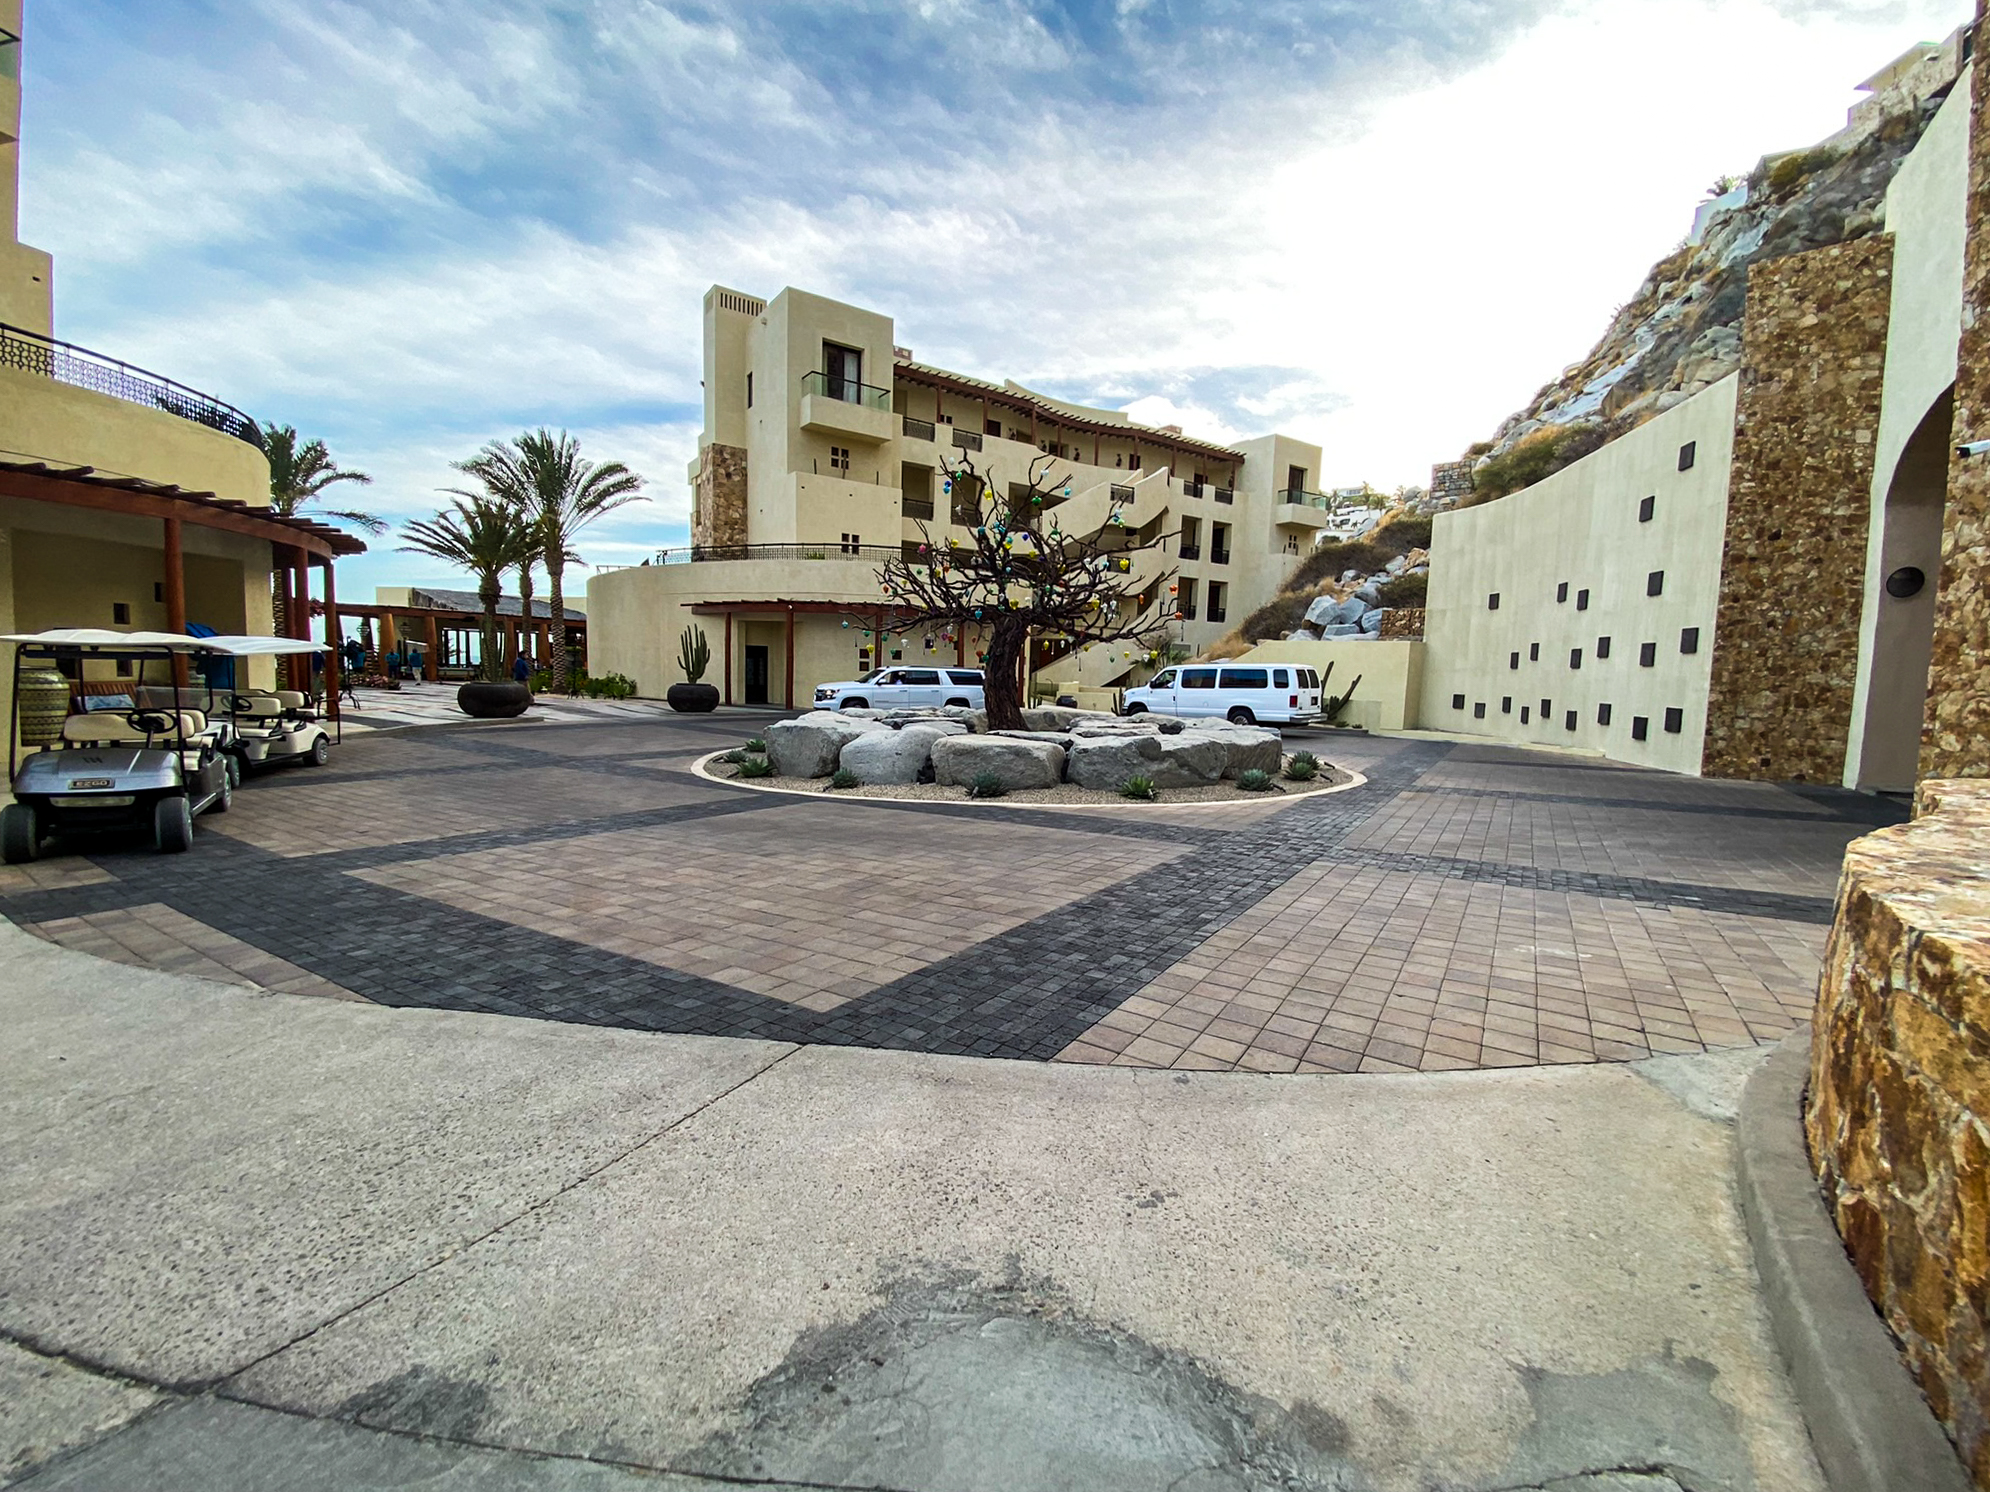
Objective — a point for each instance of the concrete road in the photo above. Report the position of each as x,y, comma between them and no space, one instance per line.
255,1240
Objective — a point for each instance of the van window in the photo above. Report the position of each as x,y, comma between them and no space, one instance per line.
1244,678
1280,679
1198,678
964,675
1308,679
1165,679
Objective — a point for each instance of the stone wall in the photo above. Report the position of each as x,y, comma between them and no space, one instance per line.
718,514
1402,622
1898,1110
1786,637
1955,731
1450,481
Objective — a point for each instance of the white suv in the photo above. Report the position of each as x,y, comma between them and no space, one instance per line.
1248,693
898,686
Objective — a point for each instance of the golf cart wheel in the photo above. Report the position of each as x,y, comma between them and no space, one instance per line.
1242,716
225,799
172,825
20,834
234,765
321,752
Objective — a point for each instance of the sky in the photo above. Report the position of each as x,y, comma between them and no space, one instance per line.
413,226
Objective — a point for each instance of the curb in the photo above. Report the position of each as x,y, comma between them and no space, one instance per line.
1870,1427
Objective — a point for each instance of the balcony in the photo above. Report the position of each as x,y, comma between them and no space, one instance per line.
843,407
1187,610
1193,489
704,553
966,440
30,352
1190,551
1219,613
917,429
1219,556
1226,495
916,507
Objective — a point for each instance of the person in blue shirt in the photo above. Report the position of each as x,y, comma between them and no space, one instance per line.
521,669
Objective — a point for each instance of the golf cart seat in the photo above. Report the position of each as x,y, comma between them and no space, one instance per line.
110,728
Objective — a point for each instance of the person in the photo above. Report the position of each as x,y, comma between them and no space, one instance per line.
521,669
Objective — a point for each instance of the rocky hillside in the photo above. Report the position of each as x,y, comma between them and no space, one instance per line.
1342,588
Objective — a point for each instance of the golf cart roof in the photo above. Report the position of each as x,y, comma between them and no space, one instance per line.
105,640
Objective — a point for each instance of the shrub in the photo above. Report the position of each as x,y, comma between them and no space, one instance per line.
987,785
756,744
1404,534
1521,464
734,758
1254,780
756,766
1789,173
609,686
843,777
1141,788
1404,590
1275,618
1327,562
1302,766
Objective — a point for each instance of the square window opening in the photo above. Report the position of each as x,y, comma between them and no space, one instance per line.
1655,583
1689,640
1647,507
1647,654
1602,714
1640,728
1675,720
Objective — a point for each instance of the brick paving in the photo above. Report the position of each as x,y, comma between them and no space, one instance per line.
1465,907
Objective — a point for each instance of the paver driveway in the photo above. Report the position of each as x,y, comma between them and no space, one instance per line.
1467,907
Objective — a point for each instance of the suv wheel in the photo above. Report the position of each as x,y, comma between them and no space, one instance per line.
1242,716
960,703
20,834
172,825
853,704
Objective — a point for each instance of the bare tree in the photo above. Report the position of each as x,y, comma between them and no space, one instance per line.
1023,574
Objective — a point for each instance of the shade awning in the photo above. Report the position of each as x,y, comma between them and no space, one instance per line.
103,639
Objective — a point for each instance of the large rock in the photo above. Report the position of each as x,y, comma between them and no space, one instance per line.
896,756
1193,758
809,747
1371,621
1326,612
1055,737
1016,761
1245,746
1302,634
1349,629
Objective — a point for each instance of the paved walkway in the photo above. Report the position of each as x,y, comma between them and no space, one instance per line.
276,1243
1467,907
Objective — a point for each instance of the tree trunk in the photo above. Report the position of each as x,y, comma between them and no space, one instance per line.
525,610
492,663
999,686
556,602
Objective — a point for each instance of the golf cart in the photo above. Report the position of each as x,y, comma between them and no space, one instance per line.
145,758
272,726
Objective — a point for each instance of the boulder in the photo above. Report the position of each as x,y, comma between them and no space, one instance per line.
1303,634
1347,629
1371,621
1245,746
1320,612
1055,737
1368,595
1130,725
1018,763
810,746
1193,758
896,756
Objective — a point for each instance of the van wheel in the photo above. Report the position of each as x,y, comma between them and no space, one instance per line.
321,752
1242,716
20,834
1136,709
853,704
172,825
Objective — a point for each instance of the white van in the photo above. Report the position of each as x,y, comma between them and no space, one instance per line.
1246,693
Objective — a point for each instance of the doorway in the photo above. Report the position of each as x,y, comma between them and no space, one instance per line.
756,673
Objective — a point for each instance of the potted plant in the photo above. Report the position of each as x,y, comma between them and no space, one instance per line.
694,656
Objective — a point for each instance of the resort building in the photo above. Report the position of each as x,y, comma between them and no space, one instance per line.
827,449
127,500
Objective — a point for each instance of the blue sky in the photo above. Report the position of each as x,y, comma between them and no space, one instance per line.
412,227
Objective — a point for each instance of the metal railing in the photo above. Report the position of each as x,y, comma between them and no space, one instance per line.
967,440
1303,499
1219,556
918,429
1219,613
31,352
699,553
1190,551
916,507
1226,495
1187,610
1121,494
1193,488
847,390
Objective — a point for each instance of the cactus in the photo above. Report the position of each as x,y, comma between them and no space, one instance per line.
694,654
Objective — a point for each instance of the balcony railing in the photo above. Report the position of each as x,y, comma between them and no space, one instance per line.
916,507
698,553
1187,609
1304,499
1191,551
918,429
1219,556
967,440
30,352
1192,489
1226,495
1121,494
848,390
1219,613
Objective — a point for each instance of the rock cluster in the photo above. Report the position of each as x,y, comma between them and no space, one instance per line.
954,747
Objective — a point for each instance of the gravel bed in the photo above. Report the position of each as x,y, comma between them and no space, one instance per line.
1065,794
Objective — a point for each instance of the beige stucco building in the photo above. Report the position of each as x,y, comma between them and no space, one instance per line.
825,451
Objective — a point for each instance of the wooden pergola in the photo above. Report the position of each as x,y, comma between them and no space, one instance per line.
296,544
430,620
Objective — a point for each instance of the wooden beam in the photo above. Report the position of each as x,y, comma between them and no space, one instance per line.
334,635
431,661
71,493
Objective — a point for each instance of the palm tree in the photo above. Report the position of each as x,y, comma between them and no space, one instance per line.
486,538
544,477
299,475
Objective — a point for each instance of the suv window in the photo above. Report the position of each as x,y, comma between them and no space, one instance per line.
1165,679
1198,678
1244,678
964,675
920,676
1280,679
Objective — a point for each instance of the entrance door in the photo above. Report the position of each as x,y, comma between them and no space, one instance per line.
756,673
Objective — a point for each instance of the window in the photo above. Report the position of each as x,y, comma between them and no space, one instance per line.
1689,639
843,373
1218,594
920,676
1281,679
851,543
965,675
1492,602
1646,507
1506,704
1533,652
1244,678
1523,714
749,391
124,668
1561,592
1602,647
1185,599
1513,660
1675,720
1165,679
1687,453
1568,720
1308,679
1602,714
1457,701
1295,479
1198,678
1479,710
1655,583
992,427
1219,543
1575,657
120,613
839,458
966,503
1647,654
1582,600
1547,709
1640,728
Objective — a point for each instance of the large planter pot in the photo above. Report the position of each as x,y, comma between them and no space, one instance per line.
44,703
692,699
493,701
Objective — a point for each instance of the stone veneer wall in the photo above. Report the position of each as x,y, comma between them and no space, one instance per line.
1402,622
1898,1110
1451,481
1786,635
719,513
1955,732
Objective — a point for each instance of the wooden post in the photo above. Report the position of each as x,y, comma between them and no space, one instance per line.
543,654
510,644
390,638
297,618
333,635
279,555
175,589
430,660
728,694
790,691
